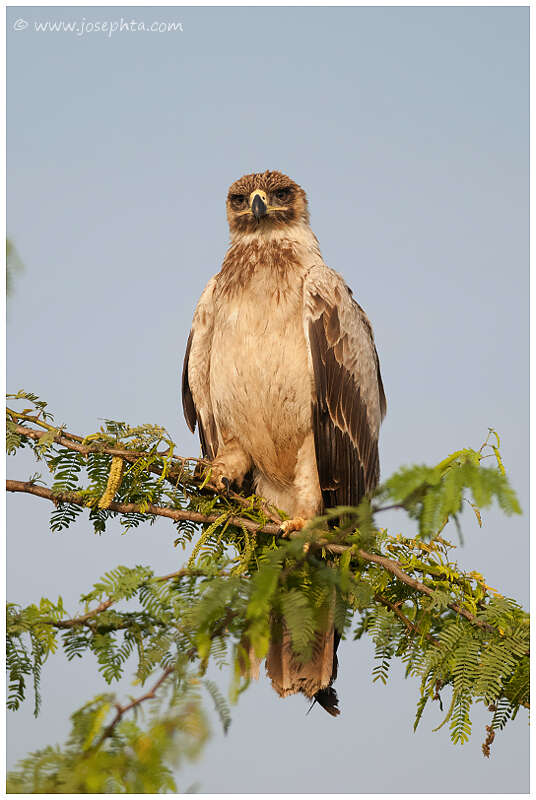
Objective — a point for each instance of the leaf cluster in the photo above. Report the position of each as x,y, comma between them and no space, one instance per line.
133,759
456,635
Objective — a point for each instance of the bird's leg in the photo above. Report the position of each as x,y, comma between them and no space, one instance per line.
230,465
306,489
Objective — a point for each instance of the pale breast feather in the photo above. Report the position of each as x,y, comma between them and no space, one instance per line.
348,398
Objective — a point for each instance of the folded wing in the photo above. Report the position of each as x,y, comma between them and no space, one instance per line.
196,375
348,397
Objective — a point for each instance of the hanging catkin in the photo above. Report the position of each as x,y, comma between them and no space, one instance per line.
114,482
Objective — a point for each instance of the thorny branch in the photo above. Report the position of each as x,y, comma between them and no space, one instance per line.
84,619
193,476
149,695
149,509
390,565
395,608
121,710
395,569
73,442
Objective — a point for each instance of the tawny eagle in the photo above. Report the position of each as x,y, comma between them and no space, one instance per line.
282,377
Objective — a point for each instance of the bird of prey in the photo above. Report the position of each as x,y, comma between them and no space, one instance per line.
282,377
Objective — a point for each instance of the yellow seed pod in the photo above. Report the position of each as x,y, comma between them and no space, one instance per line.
114,482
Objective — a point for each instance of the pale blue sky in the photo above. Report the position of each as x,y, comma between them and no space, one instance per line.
408,128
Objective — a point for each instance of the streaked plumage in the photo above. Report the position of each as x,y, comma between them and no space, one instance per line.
282,377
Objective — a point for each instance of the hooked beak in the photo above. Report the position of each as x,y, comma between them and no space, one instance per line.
258,203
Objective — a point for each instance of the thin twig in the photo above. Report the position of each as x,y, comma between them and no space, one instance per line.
72,442
121,710
395,569
84,619
16,415
394,607
149,695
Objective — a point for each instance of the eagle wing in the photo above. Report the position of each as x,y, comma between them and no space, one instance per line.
196,400
348,398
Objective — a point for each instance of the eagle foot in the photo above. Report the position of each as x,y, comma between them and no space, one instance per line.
291,525
222,484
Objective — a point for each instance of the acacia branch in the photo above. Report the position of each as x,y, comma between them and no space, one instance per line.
121,710
389,564
395,569
395,608
16,415
177,514
84,619
73,442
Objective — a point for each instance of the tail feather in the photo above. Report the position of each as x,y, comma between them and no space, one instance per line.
327,698
314,678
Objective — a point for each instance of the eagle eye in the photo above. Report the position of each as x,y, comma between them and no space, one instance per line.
237,201
283,194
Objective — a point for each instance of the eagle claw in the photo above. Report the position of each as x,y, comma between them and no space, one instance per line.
224,485
290,525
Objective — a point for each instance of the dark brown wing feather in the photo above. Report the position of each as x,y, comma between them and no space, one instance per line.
187,399
209,446
348,401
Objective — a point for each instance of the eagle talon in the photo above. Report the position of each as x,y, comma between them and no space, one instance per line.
227,485
291,525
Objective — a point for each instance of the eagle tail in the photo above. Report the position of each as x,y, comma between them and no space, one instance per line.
312,678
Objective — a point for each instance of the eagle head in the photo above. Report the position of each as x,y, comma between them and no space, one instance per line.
263,201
